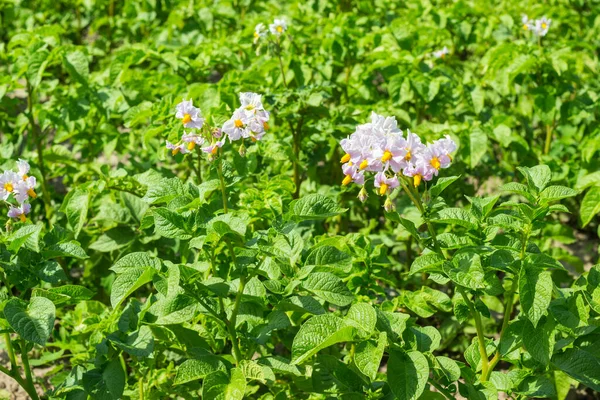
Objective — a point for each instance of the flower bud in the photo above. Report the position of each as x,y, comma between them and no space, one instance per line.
362,195
242,150
388,205
217,133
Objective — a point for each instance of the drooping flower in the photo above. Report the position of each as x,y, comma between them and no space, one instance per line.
419,171
250,120
24,189
19,212
363,195
237,126
385,184
192,140
441,53
388,205
259,32
190,116
176,148
23,167
278,27
213,147
352,174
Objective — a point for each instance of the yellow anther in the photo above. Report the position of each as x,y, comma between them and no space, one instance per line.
22,217
525,26
8,187
214,150
238,123
186,118
191,145
31,193
347,180
345,159
279,29
408,156
387,155
175,151
364,164
544,25
417,180
435,163
266,126
383,189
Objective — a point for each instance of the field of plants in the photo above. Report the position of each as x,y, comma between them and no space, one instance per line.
313,199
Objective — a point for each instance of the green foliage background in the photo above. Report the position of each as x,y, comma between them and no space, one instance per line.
131,271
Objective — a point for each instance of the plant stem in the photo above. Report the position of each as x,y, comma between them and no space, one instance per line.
233,320
222,181
32,392
480,336
443,391
548,139
10,351
296,141
40,150
281,62
141,383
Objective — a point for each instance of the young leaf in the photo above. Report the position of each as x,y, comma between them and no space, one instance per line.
314,206
107,382
220,386
128,282
535,291
33,321
407,374
368,354
317,333
590,205
328,287
198,368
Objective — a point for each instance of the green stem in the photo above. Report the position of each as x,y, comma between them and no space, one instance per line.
40,151
443,391
232,321
141,384
32,392
480,336
548,139
281,62
222,181
11,352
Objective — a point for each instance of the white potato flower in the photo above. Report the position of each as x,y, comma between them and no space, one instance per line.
278,27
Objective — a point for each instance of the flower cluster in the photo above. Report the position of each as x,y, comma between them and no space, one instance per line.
539,27
441,53
277,28
19,185
250,120
379,147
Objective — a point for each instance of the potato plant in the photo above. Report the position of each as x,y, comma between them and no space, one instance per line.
299,200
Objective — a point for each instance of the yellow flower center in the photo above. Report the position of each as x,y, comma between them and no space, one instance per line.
387,155
435,163
256,35
8,187
22,217
544,25
266,126
214,150
347,180
175,151
191,145
408,156
186,118
279,29
525,26
417,180
364,164
345,159
383,188
31,193
238,123
443,55
25,177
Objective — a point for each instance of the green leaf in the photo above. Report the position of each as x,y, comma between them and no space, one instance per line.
220,386
478,145
328,287
128,282
64,294
535,291
590,205
139,343
518,188
537,177
539,340
456,216
169,224
137,259
65,249
407,374
441,184
164,191
105,383
478,99
314,206
537,387
227,224
317,333
75,208
466,270
554,193
363,317
329,257
429,262
33,321
424,339
368,355
449,368
28,236
77,66
198,368
581,364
